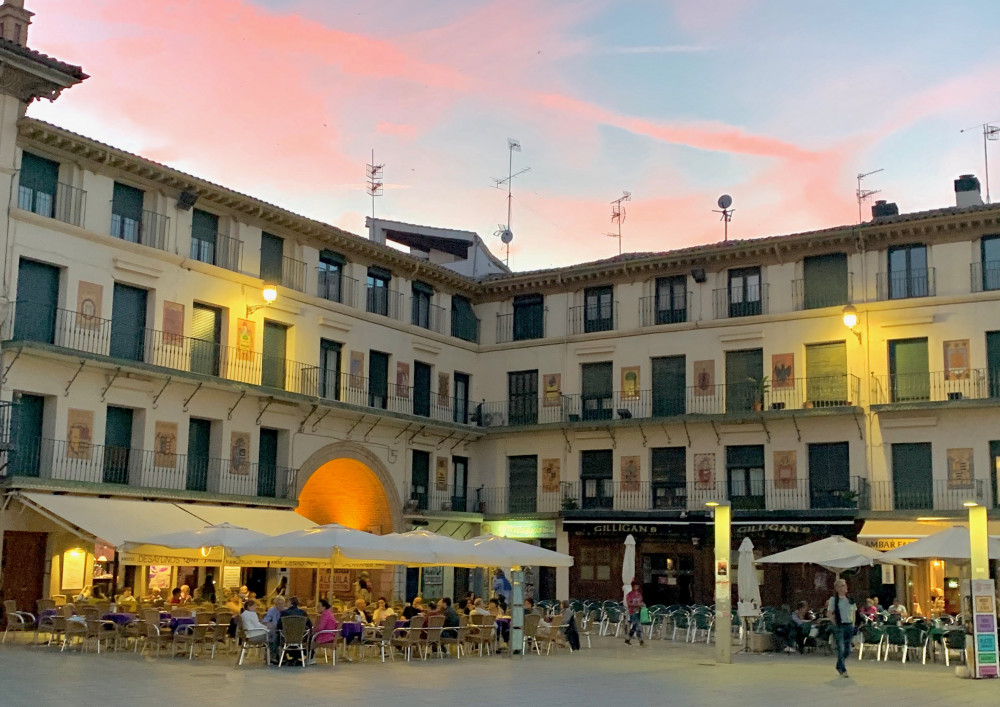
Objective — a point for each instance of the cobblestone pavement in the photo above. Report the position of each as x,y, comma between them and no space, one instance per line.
659,673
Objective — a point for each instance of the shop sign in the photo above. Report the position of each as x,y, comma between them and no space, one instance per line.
985,626
774,528
620,528
885,544
522,529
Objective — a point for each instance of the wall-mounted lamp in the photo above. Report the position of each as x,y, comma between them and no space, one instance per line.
270,293
850,315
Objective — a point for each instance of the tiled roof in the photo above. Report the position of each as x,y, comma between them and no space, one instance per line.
71,70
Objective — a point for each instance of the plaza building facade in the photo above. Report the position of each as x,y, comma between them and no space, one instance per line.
173,346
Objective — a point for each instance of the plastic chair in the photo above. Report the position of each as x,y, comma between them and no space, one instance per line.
681,621
954,640
701,621
871,635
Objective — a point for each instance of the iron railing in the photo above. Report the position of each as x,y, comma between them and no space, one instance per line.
225,252
335,286
150,230
915,282
654,310
935,386
293,273
926,495
520,327
433,498
382,300
732,302
81,461
803,299
720,399
591,319
68,204
426,315
985,277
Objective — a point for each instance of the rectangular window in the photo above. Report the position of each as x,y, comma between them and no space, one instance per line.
598,309
830,475
993,364
826,374
745,292
126,213
206,339
669,386
128,322
744,373
272,374
908,370
198,450
597,397
825,281
378,291
529,317
38,184
36,311
990,252
671,299
421,305
331,271
522,394
204,236
669,477
378,379
464,323
272,254
421,389
460,482
912,476
597,478
27,425
460,408
908,273
117,444
523,483
329,369
267,463
420,473
745,476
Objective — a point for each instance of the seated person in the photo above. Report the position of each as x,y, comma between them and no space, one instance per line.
83,596
271,619
294,610
381,611
361,610
451,621
529,606
869,610
783,624
234,604
175,596
125,601
154,597
252,626
185,597
413,608
463,607
326,622
96,595
478,609
494,608
797,632
244,593
898,609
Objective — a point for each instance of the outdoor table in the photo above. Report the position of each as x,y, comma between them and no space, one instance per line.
350,630
47,613
121,618
181,621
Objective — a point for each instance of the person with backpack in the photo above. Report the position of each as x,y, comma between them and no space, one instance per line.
842,611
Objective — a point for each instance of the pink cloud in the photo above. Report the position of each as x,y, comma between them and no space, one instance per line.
385,128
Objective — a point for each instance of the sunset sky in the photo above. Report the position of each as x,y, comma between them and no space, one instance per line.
778,103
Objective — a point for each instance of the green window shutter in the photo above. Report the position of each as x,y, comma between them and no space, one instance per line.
272,250
528,317
273,360
204,226
328,257
39,174
908,366
597,379
126,202
825,279
741,367
422,288
379,273
826,373
597,464
745,456
668,464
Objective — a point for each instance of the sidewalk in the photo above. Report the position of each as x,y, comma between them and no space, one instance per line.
659,673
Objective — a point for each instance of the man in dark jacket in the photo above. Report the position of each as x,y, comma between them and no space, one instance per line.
451,621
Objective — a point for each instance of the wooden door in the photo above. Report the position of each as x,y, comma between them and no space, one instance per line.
22,571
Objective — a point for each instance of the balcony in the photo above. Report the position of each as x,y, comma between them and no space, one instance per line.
82,462
223,251
520,327
293,274
68,204
335,286
383,301
731,303
606,494
585,319
429,501
793,394
150,230
465,326
917,282
426,315
651,313
801,299
403,399
936,386
985,276
932,495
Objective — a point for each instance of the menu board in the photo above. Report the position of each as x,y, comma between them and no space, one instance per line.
985,627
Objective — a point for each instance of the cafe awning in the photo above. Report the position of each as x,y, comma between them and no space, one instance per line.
115,521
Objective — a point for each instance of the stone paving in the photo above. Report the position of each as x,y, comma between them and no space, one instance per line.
660,673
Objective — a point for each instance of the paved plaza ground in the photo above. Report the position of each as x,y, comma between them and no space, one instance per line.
660,673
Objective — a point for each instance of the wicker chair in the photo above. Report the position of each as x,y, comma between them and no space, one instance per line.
531,623
73,629
99,632
432,634
189,636
409,638
252,644
328,647
552,635
17,621
482,633
293,638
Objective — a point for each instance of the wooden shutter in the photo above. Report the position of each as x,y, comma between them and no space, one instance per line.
825,280
826,373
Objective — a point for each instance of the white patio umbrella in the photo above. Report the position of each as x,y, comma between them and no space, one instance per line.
495,551
949,544
628,567
336,545
746,582
835,553
443,548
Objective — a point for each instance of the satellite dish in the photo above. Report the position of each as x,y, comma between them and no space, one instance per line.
506,236
725,201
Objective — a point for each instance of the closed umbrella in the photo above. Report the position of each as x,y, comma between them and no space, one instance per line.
628,567
949,544
748,604
835,553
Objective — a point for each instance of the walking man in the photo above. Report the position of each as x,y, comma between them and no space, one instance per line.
842,610
634,604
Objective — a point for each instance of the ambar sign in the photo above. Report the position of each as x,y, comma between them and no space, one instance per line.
885,544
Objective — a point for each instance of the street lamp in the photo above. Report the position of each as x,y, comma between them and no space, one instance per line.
270,293
850,315
978,541
723,590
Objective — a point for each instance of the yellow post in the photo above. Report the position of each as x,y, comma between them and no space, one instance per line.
723,591
979,550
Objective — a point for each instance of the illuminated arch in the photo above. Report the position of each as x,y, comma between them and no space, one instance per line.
346,483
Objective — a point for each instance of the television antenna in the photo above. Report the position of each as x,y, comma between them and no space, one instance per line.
990,132
865,194
618,215
724,202
374,186
503,230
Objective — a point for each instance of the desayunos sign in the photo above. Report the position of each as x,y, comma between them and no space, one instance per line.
522,529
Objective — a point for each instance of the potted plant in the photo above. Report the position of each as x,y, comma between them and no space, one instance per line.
569,503
760,389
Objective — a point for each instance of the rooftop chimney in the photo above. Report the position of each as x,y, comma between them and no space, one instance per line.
967,191
883,209
14,21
